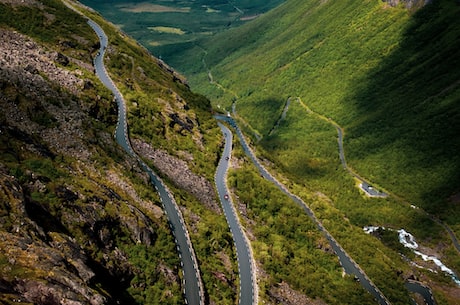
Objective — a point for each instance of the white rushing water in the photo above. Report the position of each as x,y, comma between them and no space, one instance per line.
408,241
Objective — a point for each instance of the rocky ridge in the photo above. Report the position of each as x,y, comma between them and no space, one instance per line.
61,212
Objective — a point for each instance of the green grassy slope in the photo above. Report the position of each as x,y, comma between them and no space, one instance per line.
389,76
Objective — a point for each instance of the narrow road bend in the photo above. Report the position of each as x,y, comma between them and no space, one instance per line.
348,264
247,271
192,283
374,192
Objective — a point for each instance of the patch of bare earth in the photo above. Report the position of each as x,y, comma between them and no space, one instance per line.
247,18
284,294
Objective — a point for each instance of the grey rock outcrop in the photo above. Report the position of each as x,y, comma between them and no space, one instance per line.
178,171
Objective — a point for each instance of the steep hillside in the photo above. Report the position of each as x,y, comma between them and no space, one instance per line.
81,224
79,221
387,74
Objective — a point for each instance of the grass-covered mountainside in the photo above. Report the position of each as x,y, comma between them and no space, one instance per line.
388,75
80,223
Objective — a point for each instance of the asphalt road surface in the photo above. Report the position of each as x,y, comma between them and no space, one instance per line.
248,285
191,277
346,261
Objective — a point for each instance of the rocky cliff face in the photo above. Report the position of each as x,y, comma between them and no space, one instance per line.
40,264
61,211
79,223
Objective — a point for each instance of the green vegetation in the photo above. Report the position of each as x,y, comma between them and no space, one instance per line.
366,65
388,75
287,244
147,287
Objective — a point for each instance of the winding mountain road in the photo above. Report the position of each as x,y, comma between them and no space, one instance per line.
365,185
248,284
192,283
193,286
348,264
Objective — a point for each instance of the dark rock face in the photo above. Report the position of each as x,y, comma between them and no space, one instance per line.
66,194
51,265
188,125
58,245
62,59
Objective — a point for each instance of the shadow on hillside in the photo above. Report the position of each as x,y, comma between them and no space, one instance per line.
262,113
411,103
